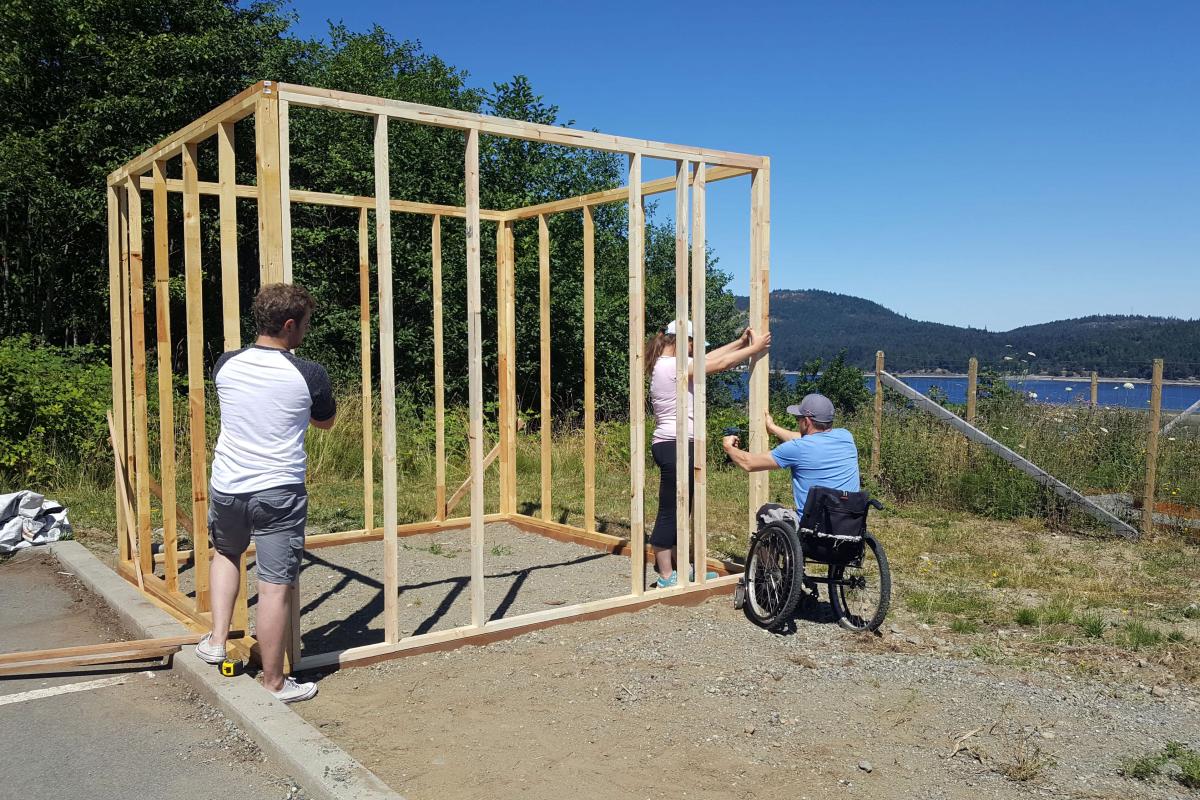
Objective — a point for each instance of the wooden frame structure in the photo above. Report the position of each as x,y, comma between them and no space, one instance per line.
269,103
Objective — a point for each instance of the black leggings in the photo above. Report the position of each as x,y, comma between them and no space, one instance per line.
664,533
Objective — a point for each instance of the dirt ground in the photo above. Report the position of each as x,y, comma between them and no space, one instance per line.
697,702
341,588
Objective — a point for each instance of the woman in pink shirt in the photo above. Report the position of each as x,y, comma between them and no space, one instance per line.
660,359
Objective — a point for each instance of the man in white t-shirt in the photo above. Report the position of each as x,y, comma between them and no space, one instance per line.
268,399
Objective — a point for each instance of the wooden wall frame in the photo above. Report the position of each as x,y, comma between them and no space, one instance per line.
268,104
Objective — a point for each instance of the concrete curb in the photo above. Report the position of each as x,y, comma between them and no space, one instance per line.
322,768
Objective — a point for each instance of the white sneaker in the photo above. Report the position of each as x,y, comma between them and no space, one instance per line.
208,652
293,692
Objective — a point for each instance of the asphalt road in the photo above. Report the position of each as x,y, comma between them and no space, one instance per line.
135,733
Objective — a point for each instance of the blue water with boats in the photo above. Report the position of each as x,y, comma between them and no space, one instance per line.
1055,391
1060,391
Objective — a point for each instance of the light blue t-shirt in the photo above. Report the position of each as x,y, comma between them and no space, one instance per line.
828,459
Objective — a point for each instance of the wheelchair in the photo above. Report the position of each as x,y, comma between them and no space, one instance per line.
832,532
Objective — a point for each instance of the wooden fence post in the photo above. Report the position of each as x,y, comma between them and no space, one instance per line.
1095,388
972,385
877,427
1152,447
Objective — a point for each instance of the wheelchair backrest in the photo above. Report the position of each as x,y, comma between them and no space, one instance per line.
836,512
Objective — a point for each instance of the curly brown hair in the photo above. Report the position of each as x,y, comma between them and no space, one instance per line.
276,303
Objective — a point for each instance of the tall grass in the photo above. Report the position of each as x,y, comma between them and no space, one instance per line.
923,462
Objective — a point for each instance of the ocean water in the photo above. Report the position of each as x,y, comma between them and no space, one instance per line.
1175,397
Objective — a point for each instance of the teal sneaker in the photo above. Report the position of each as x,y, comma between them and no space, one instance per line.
667,583
708,576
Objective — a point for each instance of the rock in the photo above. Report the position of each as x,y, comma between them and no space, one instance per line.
1159,691
1047,734
866,766
1143,663
749,729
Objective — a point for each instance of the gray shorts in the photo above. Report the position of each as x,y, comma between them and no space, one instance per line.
275,517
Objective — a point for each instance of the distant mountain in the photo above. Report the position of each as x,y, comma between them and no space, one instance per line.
816,324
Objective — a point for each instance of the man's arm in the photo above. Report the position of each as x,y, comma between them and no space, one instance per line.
324,424
782,434
750,462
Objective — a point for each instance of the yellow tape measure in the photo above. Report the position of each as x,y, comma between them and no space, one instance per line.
230,668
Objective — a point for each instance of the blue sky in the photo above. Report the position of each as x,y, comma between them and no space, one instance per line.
977,163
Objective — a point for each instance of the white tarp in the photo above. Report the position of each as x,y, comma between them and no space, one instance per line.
28,518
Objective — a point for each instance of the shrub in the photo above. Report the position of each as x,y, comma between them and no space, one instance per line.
52,410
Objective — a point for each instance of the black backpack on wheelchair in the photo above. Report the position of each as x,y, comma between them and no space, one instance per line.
832,530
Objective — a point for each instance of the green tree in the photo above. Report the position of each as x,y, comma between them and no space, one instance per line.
85,86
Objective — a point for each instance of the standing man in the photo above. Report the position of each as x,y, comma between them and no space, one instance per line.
268,399
818,454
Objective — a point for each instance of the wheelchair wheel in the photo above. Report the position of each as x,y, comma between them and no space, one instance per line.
774,576
862,593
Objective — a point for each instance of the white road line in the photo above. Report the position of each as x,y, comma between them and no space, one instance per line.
38,694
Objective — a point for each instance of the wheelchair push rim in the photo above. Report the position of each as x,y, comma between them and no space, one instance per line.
774,572
860,591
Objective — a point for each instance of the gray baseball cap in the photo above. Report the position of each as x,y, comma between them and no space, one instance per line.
817,406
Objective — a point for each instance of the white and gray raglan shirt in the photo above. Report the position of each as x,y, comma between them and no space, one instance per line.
268,396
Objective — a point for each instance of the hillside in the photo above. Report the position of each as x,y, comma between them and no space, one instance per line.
813,323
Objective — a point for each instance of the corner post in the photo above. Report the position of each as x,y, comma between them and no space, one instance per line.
760,288
1095,388
270,209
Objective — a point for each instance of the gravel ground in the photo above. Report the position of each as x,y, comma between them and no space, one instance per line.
341,588
697,702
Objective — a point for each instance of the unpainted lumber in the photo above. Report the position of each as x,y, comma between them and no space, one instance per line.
197,443
166,379
475,372
547,455
700,401
387,379
227,174
637,377
364,344
141,433
760,314
589,370
115,333
618,195
499,126
683,466
439,372
270,212
121,486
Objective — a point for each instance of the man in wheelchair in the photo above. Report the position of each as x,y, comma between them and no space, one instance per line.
827,523
818,454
